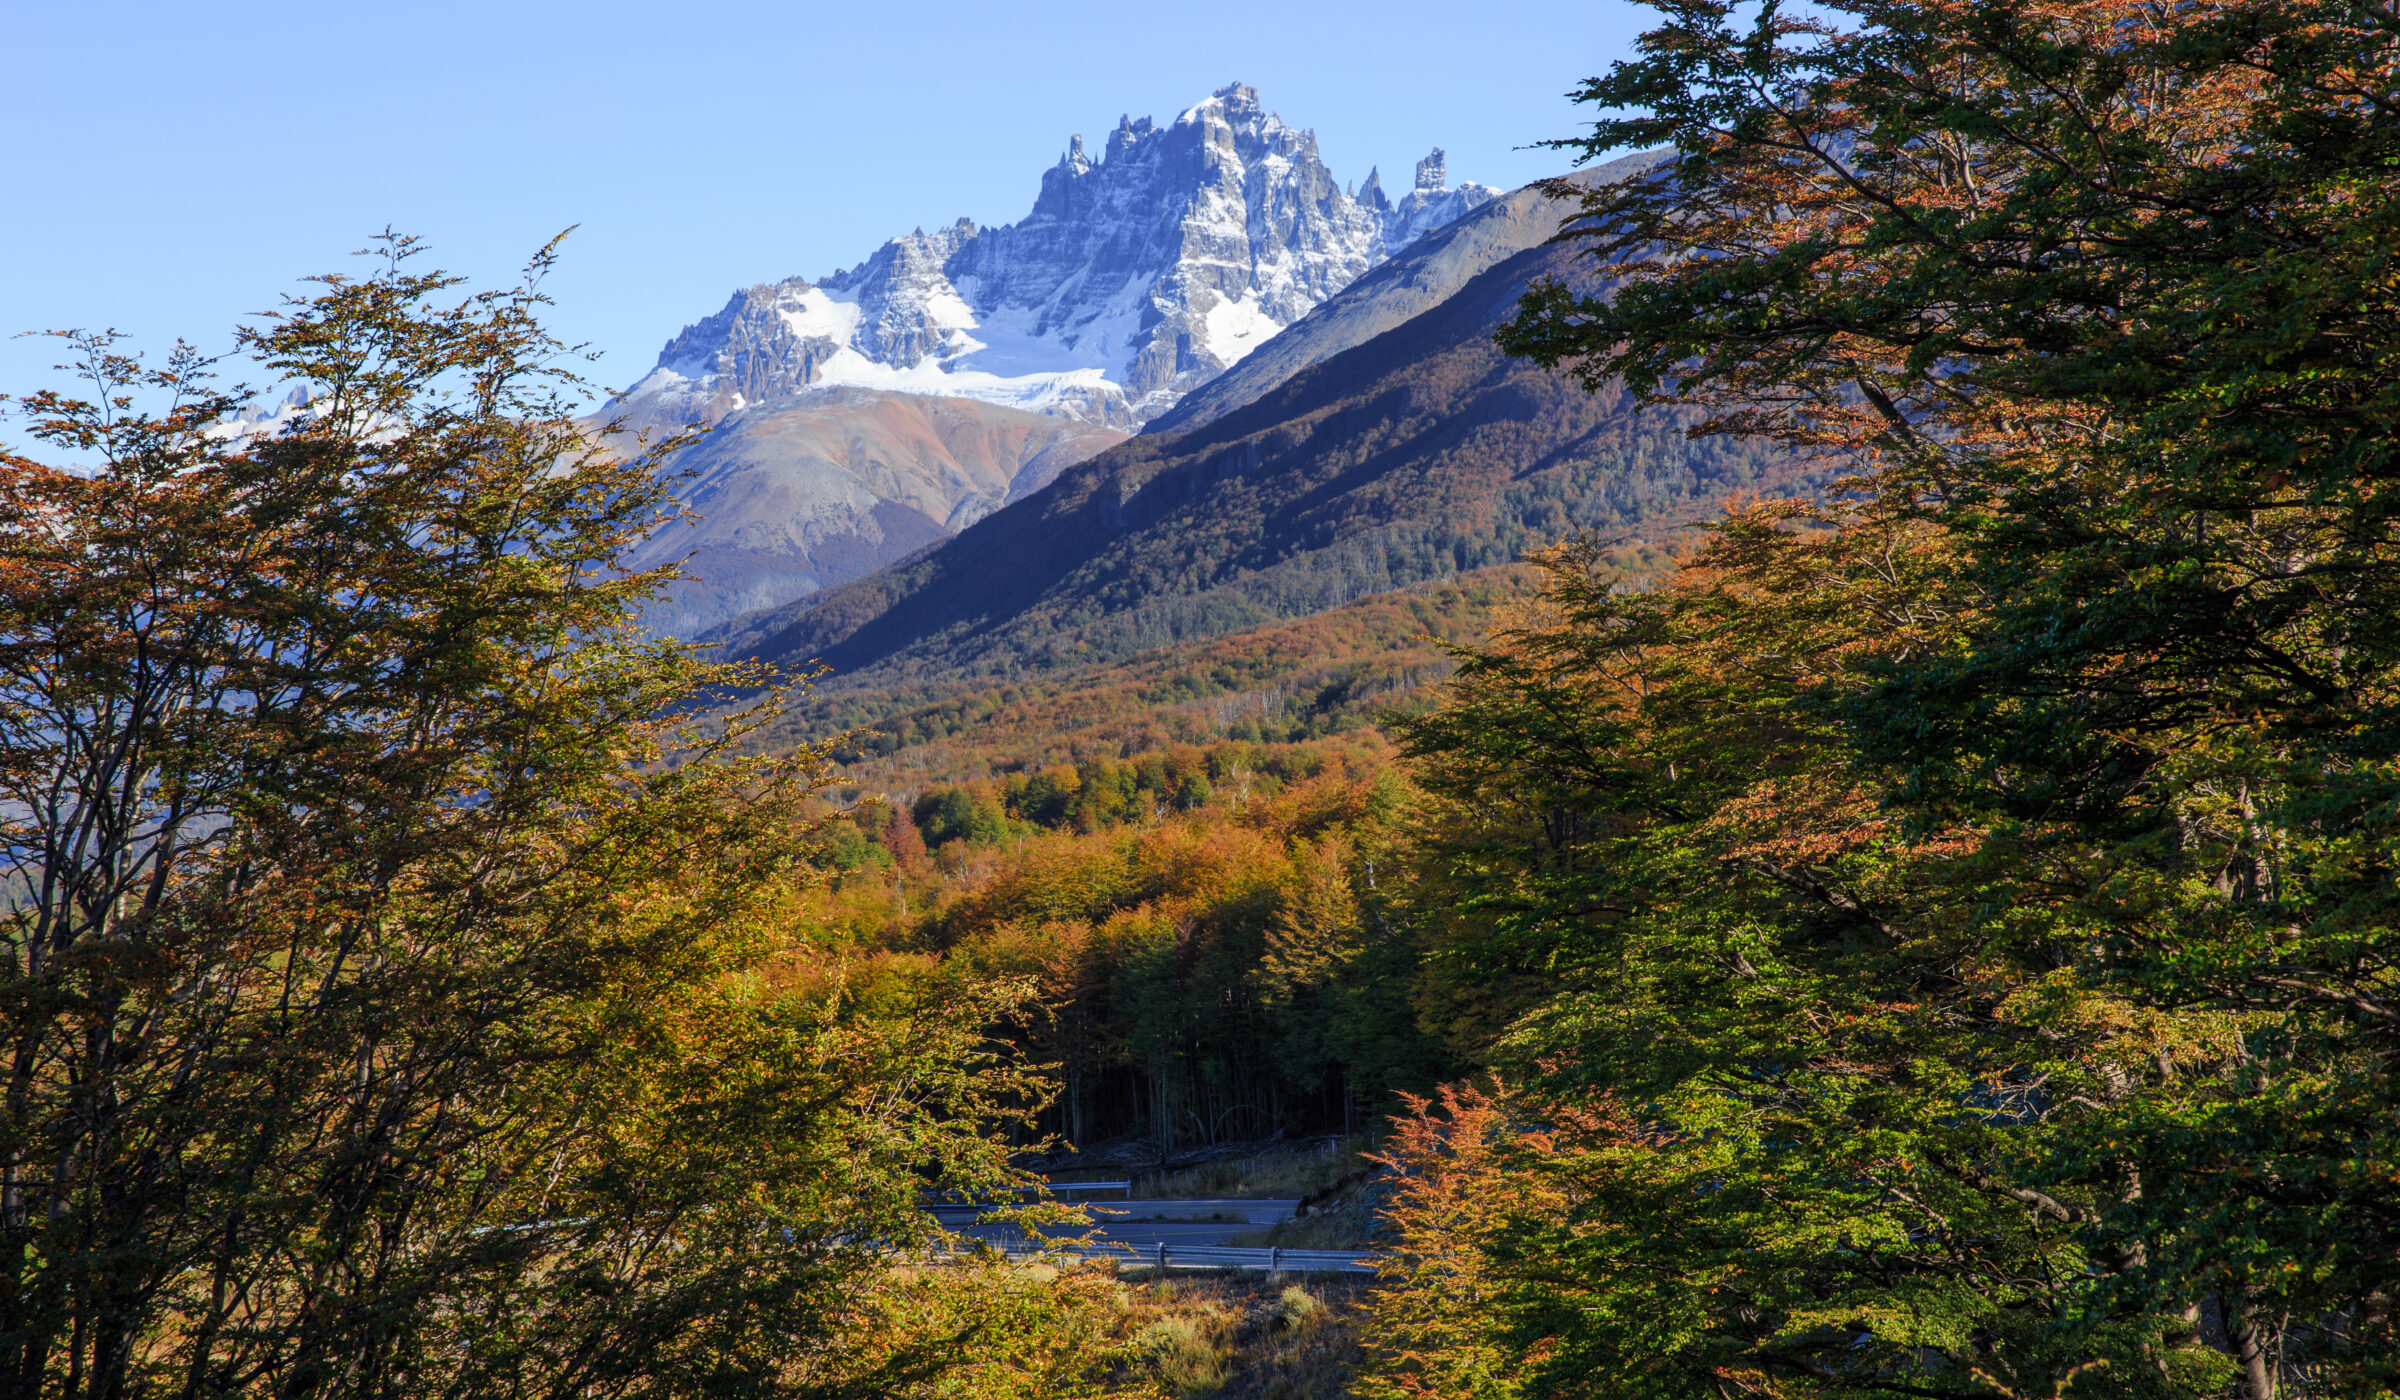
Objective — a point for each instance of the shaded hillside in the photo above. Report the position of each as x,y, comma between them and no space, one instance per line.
1428,273
819,488
1299,679
1421,454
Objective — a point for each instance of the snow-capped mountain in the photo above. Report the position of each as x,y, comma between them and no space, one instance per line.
1144,270
1425,208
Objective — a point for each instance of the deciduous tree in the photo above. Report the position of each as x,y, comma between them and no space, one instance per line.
1980,888
381,962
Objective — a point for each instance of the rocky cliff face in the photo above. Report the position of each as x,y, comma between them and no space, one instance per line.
1427,271
1144,270
1431,204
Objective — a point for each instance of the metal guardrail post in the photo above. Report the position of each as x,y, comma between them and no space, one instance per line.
1271,1259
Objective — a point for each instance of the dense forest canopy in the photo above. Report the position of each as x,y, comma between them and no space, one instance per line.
1969,899
1931,937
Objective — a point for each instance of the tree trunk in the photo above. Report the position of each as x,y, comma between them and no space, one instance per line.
2249,1344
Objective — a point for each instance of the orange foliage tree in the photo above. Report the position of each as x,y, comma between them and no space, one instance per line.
1979,887
1464,1172
382,960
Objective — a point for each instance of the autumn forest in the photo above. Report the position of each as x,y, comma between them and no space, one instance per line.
1883,882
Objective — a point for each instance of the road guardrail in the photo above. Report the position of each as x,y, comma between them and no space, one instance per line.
1164,1256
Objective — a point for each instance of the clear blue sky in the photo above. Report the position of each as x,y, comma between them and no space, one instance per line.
173,166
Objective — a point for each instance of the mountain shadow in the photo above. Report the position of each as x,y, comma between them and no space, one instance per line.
1417,455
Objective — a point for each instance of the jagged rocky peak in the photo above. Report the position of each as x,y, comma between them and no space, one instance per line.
1371,193
755,350
1140,273
1431,204
1127,133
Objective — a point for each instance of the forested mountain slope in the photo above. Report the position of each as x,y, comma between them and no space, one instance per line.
1417,455
1289,681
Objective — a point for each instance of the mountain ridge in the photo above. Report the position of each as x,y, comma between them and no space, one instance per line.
1419,454
1413,281
1162,258
800,493
1138,275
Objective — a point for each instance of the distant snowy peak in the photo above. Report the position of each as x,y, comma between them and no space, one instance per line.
1139,275
1425,208
775,341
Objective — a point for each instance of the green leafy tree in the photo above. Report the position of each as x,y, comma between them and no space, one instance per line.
949,814
1795,1189
381,961
1983,892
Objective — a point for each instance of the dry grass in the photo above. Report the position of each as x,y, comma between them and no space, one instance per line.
1247,1336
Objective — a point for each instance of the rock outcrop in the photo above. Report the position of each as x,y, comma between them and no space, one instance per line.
1425,273
1143,271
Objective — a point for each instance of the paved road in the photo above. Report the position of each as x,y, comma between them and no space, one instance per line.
1139,1223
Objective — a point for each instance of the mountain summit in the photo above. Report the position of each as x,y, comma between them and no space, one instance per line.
1145,269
